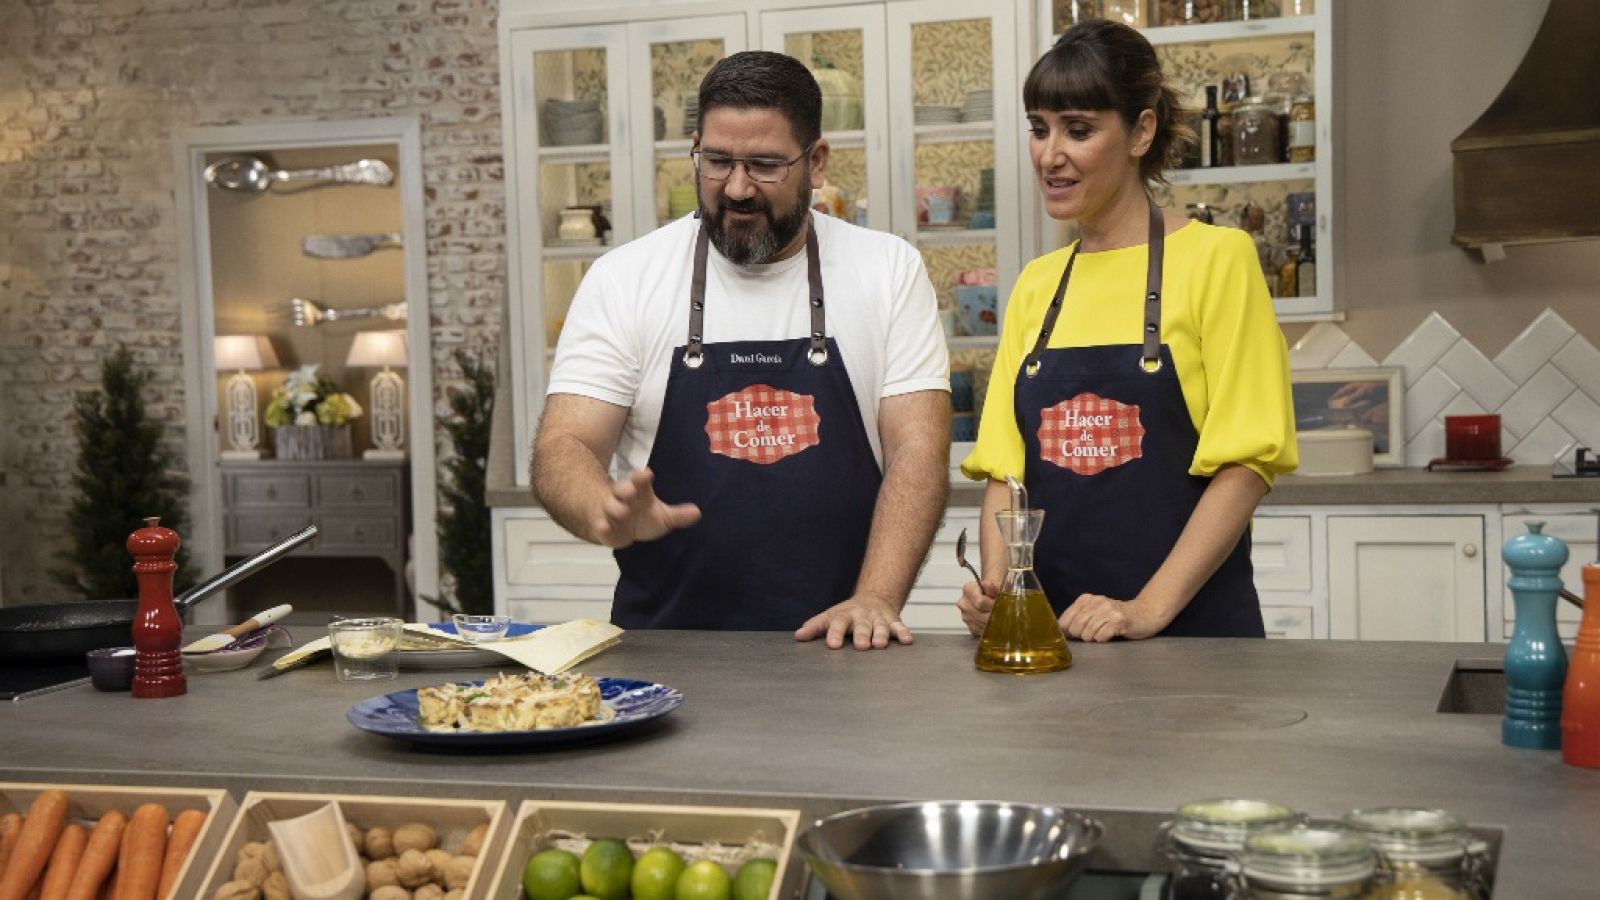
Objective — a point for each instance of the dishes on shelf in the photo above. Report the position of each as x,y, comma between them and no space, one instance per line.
936,115
978,309
569,123
979,106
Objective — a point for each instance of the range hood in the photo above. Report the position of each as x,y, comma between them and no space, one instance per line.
1528,171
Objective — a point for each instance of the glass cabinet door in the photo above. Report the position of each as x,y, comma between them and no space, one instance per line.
667,61
568,183
848,59
955,176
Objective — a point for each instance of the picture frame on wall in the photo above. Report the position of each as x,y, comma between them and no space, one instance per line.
1369,398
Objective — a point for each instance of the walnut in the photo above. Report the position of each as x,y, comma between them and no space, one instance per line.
380,843
250,851
438,859
428,892
276,887
270,858
473,845
252,870
382,873
457,894
390,892
414,869
358,838
414,836
459,871
237,890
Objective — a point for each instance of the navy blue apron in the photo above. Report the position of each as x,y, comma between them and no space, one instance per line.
1108,445
766,437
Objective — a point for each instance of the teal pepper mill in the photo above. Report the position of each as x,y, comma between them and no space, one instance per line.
1536,663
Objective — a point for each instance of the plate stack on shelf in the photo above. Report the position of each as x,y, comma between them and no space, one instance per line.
979,106
571,122
936,115
691,114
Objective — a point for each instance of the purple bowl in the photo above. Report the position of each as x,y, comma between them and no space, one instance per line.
111,668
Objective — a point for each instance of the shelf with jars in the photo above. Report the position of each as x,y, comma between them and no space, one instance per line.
1253,74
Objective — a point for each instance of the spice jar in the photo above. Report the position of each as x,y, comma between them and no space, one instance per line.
1303,129
1298,862
1255,134
1282,87
1423,854
1205,837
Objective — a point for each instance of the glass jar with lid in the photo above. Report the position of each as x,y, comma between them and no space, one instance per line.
1255,134
1247,10
1282,87
1423,854
1302,129
1305,862
1205,836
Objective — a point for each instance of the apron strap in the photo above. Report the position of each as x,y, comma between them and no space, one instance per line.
694,352
1151,361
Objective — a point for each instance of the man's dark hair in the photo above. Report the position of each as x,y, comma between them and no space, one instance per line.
761,79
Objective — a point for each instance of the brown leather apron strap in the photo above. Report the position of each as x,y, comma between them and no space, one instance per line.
1151,361
694,352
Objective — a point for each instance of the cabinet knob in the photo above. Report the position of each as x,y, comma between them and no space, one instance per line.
1470,550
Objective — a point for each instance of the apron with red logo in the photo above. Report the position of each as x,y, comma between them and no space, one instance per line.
766,437
1108,445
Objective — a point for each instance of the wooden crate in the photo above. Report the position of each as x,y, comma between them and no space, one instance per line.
684,828
452,819
88,802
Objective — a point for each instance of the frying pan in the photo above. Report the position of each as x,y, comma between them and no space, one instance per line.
59,632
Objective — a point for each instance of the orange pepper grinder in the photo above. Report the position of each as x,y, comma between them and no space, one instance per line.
157,630
1580,698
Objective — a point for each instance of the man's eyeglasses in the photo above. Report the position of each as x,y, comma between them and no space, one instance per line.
717,167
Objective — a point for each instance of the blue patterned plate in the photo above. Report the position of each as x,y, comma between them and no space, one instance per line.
460,657
630,702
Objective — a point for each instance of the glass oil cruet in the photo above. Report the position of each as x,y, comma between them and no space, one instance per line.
1022,636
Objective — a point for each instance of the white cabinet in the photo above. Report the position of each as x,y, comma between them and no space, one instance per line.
544,574
932,604
1406,578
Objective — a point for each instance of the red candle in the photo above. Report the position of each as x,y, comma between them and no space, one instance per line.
157,630
1472,437
1580,698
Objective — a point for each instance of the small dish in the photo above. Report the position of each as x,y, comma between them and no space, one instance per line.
240,653
481,628
111,668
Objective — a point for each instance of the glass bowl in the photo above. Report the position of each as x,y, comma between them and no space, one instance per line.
481,628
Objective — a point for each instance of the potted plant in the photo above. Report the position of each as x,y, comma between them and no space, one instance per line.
310,416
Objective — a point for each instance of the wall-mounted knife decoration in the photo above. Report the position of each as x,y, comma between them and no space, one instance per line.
347,246
303,312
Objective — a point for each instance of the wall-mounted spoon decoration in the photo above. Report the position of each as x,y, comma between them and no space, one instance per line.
247,173
303,312
346,246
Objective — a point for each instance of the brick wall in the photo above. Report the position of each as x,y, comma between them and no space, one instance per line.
91,93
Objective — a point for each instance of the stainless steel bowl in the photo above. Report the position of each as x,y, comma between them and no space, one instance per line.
950,851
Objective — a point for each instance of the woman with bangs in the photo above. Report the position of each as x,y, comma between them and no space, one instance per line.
1141,386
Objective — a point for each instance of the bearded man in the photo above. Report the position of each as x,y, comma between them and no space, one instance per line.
771,383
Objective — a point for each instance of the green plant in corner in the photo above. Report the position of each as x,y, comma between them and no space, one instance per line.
124,475
464,530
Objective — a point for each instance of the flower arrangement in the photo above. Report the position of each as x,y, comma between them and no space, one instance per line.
307,398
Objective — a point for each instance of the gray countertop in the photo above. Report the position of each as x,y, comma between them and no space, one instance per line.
1138,727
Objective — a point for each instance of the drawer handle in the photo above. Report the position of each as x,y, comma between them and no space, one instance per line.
1470,550
358,493
272,494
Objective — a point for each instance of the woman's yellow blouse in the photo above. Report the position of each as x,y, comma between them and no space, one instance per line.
1216,318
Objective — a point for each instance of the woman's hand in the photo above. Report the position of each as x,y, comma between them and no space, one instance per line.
977,598
1093,617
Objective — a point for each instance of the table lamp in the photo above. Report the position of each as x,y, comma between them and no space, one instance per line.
388,400
243,353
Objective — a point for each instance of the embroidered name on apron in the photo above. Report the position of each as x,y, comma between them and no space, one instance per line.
1089,434
762,424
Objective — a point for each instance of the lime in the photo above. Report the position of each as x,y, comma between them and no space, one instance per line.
551,875
656,874
754,881
704,880
607,869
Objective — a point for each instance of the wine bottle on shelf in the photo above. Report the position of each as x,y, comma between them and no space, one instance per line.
1305,264
1210,130
1288,275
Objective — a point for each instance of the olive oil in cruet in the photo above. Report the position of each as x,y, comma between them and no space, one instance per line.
1022,636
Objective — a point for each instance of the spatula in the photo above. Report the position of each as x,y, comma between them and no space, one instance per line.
346,246
223,638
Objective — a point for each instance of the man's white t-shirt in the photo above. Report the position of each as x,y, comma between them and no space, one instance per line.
631,313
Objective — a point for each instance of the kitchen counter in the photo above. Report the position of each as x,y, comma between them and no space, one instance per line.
1323,726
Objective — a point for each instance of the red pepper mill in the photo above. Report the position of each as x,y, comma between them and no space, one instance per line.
157,630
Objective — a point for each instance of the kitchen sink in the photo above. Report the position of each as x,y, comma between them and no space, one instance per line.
1476,687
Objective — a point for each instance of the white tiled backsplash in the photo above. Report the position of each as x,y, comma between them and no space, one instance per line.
1545,384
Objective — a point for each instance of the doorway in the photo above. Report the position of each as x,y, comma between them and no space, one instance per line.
309,375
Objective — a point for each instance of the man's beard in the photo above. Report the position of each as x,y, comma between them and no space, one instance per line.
756,246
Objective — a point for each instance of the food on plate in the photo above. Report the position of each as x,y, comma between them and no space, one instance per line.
524,702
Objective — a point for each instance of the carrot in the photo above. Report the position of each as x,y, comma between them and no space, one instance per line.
141,859
99,857
185,829
64,862
46,817
10,827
